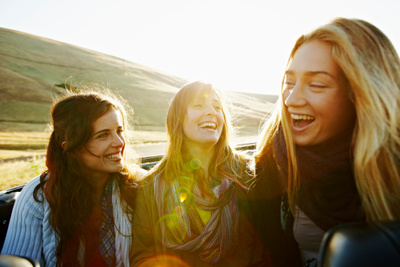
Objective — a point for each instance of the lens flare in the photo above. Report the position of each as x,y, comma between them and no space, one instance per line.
163,261
186,167
174,224
195,164
182,196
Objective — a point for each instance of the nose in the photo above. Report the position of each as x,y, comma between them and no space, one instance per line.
118,140
210,110
295,96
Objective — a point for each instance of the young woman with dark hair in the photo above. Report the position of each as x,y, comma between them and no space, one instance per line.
79,211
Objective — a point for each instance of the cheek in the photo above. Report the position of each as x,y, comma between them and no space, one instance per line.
341,116
186,127
347,114
185,122
285,95
328,105
98,148
95,149
221,117
86,161
222,121
192,116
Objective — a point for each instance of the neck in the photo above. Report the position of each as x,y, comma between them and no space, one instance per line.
202,154
98,184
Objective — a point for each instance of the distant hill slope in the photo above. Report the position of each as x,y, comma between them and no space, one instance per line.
33,70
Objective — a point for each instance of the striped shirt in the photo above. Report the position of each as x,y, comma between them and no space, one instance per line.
29,233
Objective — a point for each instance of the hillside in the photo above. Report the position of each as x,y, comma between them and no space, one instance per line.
33,70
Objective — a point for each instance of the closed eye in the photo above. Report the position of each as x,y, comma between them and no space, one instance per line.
217,107
289,84
318,85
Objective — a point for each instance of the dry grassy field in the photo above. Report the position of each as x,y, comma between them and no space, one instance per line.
22,154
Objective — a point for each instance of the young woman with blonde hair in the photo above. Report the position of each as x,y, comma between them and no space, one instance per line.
79,211
191,208
330,153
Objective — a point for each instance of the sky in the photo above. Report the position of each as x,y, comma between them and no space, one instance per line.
240,45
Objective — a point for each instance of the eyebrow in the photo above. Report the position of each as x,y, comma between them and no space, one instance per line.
202,99
100,131
311,73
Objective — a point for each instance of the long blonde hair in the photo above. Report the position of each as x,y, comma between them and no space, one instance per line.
372,67
173,162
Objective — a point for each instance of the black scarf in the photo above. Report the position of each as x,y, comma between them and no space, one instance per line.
328,194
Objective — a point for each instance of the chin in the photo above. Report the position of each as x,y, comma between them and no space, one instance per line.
304,141
118,169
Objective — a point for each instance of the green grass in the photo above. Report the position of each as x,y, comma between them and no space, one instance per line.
25,112
34,70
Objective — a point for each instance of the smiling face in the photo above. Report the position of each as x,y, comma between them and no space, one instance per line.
103,153
316,96
204,121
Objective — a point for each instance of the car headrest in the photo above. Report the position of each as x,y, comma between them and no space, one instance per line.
361,244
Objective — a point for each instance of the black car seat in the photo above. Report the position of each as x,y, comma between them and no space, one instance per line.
361,244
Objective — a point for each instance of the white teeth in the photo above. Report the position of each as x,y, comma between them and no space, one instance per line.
208,125
113,156
301,117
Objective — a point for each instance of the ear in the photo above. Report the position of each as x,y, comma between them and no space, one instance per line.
63,144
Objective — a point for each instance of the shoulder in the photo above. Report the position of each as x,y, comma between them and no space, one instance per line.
243,167
26,205
145,202
30,186
268,182
27,192
140,173
238,161
266,166
146,184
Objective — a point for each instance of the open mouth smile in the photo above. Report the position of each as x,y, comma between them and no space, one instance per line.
114,156
208,125
301,121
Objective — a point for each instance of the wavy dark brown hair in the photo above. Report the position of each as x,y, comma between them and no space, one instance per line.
66,189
